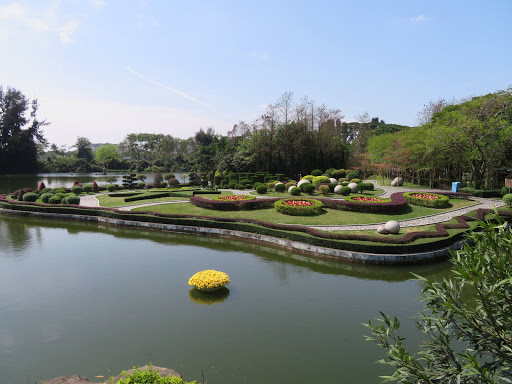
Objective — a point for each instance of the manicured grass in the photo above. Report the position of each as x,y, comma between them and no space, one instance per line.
329,216
317,195
107,201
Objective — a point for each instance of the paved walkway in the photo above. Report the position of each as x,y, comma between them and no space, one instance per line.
92,201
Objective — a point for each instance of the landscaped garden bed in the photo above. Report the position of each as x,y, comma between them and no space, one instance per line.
299,207
426,199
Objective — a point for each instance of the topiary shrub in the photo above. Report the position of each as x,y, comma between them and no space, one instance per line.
508,199
76,189
329,171
232,185
295,191
41,186
56,199
245,181
321,179
157,180
45,197
290,184
169,176
352,174
324,190
317,172
345,191
361,187
308,178
356,181
279,188
302,207
111,187
95,187
338,173
163,184
87,188
308,188
261,189
30,196
239,186
75,200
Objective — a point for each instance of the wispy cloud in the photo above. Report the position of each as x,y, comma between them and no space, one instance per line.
420,19
262,56
182,94
98,3
48,24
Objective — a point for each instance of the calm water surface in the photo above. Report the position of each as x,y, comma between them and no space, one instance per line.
77,298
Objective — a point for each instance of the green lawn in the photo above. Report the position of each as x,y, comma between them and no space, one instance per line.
329,216
317,195
107,201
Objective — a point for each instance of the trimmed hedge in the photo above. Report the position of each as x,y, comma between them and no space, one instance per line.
30,196
232,205
363,243
281,206
152,195
123,194
438,201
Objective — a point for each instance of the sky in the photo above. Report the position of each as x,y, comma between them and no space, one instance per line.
102,69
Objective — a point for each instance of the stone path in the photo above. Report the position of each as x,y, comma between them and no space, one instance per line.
92,201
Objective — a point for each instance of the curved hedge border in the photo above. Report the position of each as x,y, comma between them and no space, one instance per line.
373,199
308,210
306,235
234,198
225,205
441,201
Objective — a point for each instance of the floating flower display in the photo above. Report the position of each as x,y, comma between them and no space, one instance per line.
209,298
209,280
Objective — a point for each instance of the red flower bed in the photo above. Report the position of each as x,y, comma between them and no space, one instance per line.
424,196
367,199
298,203
235,197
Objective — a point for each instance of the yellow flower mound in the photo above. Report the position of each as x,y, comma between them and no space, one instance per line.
209,279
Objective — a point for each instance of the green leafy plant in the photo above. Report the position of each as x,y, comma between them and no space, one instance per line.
321,179
295,191
45,197
261,189
279,188
307,188
508,199
30,196
87,188
56,199
148,376
111,187
467,322
76,189
316,172
324,190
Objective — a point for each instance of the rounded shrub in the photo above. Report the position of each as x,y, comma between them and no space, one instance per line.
111,187
239,186
508,199
338,173
317,172
321,179
290,184
356,181
30,196
163,184
295,191
248,186
324,190
87,188
141,185
232,185
76,190
352,174
299,207
307,188
261,189
345,191
173,182
45,197
169,176
329,171
55,199
75,200
245,181
308,178
279,188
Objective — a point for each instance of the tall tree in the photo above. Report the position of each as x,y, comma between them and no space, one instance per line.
83,149
21,136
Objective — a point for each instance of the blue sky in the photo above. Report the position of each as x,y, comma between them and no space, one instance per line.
103,69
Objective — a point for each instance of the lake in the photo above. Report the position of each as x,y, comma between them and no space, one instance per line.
79,298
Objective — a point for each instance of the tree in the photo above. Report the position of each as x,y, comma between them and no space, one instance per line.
83,149
431,108
106,154
21,137
468,319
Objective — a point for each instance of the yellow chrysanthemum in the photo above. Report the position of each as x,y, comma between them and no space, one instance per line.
209,279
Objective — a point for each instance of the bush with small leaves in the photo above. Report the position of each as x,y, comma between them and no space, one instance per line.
261,189
308,188
280,187
111,187
361,187
324,190
95,187
87,188
173,182
339,173
232,185
149,376
75,200
169,176
245,181
352,174
345,191
356,181
317,172
239,186
157,180
56,199
321,179
290,184
141,185
163,184
30,196
45,197
508,199
76,189
295,191
504,191
308,178
329,171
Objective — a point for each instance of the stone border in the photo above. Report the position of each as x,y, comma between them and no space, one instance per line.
313,250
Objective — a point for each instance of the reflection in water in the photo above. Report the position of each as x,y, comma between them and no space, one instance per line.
209,298
16,236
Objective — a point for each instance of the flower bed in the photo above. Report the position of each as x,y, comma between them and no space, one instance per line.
431,200
234,198
248,203
209,280
299,207
365,199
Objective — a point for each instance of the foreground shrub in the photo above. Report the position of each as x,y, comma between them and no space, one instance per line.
279,188
308,178
76,189
317,172
508,199
149,377
324,190
141,185
173,182
351,174
302,207
295,191
87,188
111,187
466,325
71,200
55,199
432,200
30,196
45,197
321,179
307,188
261,189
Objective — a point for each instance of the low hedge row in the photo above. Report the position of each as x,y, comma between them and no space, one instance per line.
398,203
124,194
431,200
481,192
153,195
294,207
366,243
225,205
